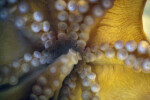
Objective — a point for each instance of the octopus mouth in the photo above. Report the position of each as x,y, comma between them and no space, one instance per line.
55,53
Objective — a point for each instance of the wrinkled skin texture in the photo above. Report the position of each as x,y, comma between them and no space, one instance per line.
122,21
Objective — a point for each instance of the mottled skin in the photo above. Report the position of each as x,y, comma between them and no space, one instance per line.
123,21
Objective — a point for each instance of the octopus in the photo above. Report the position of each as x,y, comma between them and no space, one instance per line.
73,50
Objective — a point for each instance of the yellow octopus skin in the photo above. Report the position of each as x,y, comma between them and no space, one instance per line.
123,21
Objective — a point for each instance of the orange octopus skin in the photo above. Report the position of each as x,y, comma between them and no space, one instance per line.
122,21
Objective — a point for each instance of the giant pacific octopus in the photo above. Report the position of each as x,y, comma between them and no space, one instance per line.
73,50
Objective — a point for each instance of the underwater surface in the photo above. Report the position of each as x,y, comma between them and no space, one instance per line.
146,18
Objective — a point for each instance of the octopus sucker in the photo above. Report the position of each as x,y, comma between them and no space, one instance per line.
32,61
132,56
73,50
54,75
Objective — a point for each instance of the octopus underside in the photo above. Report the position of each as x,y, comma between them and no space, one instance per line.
73,50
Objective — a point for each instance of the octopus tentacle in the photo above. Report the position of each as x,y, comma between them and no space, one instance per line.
55,74
70,84
68,34
90,87
135,55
